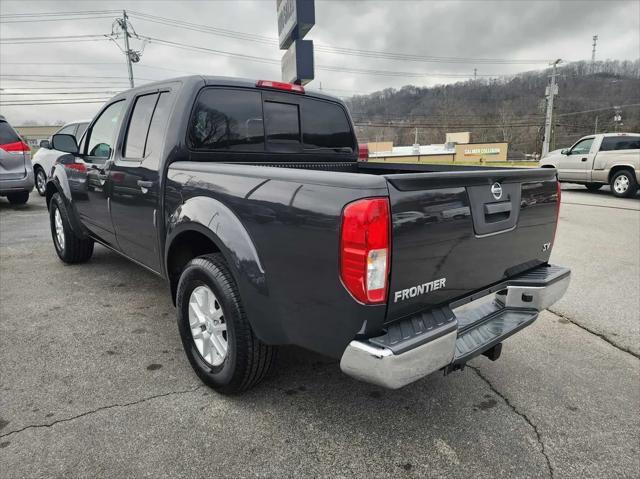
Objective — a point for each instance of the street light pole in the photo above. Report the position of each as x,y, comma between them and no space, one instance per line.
552,91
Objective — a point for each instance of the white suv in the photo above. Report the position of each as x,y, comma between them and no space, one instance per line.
46,156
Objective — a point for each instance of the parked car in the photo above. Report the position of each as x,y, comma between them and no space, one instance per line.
46,156
16,172
249,200
598,160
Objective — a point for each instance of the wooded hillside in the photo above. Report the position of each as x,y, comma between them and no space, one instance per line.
507,109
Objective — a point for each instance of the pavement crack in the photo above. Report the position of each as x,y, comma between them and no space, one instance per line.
519,413
595,333
99,409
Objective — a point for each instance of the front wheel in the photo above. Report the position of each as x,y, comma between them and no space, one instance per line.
41,181
623,184
216,335
70,247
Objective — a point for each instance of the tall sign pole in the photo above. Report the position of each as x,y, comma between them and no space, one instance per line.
552,91
295,19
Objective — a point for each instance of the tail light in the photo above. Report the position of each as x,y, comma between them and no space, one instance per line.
365,249
278,85
15,147
363,152
77,165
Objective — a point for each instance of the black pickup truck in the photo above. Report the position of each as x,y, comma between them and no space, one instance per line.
251,200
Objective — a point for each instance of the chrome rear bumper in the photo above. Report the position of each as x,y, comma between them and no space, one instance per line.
426,343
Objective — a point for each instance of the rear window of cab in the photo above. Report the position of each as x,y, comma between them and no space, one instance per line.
237,120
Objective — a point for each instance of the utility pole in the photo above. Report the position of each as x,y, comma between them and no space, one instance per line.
595,129
593,54
552,91
127,51
475,74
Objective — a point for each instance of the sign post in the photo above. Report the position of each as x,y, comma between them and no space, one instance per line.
295,19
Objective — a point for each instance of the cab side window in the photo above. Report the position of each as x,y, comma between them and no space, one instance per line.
612,143
67,130
103,133
139,126
146,131
582,147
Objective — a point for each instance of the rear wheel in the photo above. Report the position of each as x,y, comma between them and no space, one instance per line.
41,181
18,198
593,186
216,335
623,184
70,247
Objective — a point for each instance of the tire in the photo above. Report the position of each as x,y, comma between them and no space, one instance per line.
247,360
623,184
70,247
18,198
593,186
41,181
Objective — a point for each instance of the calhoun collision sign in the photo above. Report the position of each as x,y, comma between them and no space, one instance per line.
482,151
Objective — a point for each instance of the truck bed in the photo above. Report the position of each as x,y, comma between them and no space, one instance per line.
446,227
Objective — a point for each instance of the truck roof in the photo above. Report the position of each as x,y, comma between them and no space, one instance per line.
222,81
616,134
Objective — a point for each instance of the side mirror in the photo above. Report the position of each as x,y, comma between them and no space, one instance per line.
65,143
564,152
45,144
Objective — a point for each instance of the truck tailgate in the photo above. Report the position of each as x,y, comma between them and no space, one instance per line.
454,233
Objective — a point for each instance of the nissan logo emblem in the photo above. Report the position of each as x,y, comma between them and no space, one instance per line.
496,191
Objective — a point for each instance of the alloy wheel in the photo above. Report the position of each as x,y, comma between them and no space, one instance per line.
208,326
41,181
57,219
621,184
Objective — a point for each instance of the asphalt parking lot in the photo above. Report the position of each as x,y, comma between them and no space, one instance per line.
94,383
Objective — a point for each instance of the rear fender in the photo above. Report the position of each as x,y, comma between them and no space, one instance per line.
218,223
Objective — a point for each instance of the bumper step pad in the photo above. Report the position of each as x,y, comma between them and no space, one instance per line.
491,331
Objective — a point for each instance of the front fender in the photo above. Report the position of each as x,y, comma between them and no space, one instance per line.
58,183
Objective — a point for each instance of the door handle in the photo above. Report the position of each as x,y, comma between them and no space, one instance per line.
584,159
145,185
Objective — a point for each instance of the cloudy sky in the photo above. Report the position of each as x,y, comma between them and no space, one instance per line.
497,38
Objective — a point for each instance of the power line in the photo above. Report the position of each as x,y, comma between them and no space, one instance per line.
319,67
92,82
93,17
329,48
54,102
47,38
60,93
52,14
13,75
628,105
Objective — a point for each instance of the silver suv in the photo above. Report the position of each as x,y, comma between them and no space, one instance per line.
16,171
